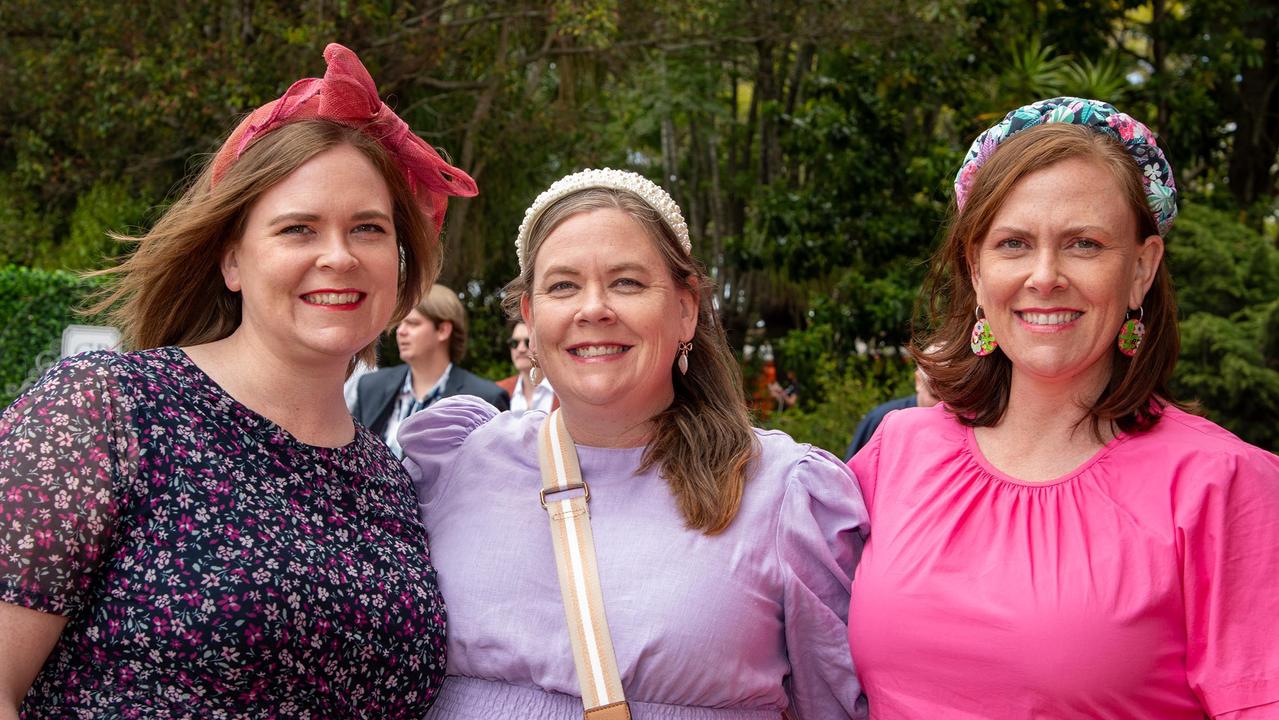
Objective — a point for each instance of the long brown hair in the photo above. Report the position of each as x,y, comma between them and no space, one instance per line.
975,388
703,441
170,290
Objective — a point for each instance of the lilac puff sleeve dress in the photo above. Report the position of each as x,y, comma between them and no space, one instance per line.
735,626
1143,584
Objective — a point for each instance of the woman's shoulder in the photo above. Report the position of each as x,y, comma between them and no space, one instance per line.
776,450
453,421
1184,441
784,464
87,378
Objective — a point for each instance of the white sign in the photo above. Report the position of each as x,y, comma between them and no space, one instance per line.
83,338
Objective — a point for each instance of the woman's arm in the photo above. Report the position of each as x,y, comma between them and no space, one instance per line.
26,639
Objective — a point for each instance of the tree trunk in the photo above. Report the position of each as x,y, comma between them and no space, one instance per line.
456,229
1256,140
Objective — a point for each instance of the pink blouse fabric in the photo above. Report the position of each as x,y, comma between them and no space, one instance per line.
1143,584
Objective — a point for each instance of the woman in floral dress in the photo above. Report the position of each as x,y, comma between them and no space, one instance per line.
198,528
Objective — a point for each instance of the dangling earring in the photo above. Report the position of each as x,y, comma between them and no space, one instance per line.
533,371
1131,332
684,349
983,341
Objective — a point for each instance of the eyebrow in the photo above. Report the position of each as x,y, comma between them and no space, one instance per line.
1073,230
611,269
312,217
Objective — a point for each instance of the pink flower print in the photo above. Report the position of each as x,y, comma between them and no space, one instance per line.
43,538
186,524
252,634
1127,128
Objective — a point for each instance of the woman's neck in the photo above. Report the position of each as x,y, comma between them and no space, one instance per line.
603,429
1045,431
304,398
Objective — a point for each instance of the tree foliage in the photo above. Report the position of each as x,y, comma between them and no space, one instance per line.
811,143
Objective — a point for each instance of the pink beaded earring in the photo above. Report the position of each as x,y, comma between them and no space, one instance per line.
1132,332
983,341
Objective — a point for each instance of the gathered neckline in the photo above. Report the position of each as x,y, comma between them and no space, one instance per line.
974,451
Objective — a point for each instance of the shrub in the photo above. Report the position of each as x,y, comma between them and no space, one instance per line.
35,307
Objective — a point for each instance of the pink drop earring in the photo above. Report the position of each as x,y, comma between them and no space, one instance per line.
684,349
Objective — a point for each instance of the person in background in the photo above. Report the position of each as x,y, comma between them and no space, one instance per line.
432,341
1058,538
526,393
923,397
724,553
197,528
786,396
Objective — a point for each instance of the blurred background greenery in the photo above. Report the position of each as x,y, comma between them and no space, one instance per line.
811,143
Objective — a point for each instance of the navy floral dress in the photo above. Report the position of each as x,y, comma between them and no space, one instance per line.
209,564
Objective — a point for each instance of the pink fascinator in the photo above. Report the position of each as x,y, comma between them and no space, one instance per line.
346,95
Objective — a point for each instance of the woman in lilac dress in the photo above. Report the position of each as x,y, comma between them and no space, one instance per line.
724,553
197,529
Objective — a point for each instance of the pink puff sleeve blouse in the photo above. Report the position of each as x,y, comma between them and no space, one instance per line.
1145,583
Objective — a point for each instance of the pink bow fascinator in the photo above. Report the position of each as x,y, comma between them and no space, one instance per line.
346,95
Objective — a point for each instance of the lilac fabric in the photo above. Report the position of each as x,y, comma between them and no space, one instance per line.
715,627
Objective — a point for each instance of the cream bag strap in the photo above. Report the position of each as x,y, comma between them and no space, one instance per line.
574,546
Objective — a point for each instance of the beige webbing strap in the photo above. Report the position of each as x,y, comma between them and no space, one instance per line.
574,547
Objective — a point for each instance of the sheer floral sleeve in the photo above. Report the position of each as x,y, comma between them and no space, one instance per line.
65,447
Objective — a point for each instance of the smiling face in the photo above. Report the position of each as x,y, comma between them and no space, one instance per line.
1057,270
606,316
317,263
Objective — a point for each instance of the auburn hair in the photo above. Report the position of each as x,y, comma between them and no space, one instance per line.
976,388
170,290
703,442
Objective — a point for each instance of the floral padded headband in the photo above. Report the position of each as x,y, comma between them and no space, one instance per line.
1137,139
346,95
646,189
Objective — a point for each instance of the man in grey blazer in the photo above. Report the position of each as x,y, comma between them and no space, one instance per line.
432,340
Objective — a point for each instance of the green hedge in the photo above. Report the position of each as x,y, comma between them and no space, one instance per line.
35,307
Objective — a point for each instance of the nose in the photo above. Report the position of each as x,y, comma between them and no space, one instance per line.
595,307
1046,275
336,253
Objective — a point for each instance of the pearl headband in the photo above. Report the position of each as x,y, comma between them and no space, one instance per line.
634,183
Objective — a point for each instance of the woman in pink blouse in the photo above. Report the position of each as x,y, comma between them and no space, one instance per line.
1059,538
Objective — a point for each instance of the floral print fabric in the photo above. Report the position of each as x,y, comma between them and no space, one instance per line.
209,564
1137,139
